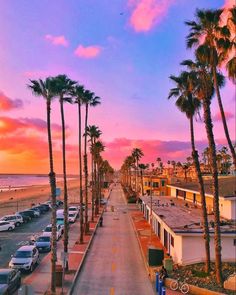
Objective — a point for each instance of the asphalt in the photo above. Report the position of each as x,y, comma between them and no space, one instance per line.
114,264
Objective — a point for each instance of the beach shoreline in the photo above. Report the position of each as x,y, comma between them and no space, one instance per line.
12,201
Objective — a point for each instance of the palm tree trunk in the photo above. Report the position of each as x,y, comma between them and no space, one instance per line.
223,116
203,198
52,180
212,148
141,171
86,170
92,169
66,226
80,179
96,187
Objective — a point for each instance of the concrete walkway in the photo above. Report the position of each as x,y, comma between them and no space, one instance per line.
114,264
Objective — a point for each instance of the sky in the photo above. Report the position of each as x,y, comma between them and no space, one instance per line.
124,52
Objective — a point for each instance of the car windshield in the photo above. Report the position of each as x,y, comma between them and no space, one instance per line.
71,215
3,278
48,229
43,239
23,254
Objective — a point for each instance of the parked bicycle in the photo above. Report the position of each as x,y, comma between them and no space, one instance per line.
182,286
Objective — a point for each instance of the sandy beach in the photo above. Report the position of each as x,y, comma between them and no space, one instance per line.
16,200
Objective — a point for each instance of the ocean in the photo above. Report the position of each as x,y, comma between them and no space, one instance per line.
17,181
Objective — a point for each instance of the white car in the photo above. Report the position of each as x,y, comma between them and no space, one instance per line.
73,209
5,225
72,217
16,219
48,231
25,258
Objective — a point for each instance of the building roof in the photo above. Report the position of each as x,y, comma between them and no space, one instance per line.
182,219
227,186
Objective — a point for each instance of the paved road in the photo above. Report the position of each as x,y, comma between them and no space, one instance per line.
114,264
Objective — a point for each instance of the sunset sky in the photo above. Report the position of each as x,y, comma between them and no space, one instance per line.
124,51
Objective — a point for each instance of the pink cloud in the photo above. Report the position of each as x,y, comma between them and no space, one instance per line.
147,13
217,116
229,4
7,104
88,52
57,40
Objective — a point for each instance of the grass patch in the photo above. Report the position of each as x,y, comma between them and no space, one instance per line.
199,274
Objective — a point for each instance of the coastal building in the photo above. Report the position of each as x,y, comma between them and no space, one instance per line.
189,192
177,223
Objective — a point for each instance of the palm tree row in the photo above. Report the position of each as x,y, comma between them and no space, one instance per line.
69,91
195,88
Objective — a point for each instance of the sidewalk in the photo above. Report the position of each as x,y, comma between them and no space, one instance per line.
147,238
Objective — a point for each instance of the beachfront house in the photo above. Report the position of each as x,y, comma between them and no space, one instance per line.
177,223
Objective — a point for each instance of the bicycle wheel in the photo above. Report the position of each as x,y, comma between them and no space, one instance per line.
174,285
184,288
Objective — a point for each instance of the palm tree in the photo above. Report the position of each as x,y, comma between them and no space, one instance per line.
188,104
63,87
78,94
96,149
89,100
93,133
142,167
204,92
137,155
214,49
46,89
231,63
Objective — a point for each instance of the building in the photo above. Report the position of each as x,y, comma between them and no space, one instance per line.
227,192
157,185
178,226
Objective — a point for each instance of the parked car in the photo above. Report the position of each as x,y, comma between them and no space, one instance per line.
5,225
29,213
43,243
48,231
72,217
103,201
26,217
25,258
41,209
36,210
73,209
10,281
45,206
59,203
16,219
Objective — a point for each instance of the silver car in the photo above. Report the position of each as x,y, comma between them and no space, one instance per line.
25,258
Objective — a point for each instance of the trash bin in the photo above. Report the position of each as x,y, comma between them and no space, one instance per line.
59,274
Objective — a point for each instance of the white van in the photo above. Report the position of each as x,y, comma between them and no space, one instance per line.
60,213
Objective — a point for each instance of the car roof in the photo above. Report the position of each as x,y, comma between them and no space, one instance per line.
26,248
5,271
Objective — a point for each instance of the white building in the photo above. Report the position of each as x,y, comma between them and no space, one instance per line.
179,228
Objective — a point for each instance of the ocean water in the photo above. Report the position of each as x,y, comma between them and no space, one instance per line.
17,181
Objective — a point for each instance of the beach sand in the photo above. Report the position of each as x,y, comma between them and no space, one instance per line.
16,200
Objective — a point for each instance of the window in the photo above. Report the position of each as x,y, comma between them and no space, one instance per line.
172,241
163,183
166,239
234,242
155,184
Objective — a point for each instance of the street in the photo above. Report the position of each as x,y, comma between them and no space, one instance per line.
114,264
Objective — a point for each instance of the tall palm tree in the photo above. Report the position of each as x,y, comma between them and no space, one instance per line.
90,100
78,94
213,45
188,104
231,63
93,133
96,150
204,92
142,167
46,89
137,154
63,87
